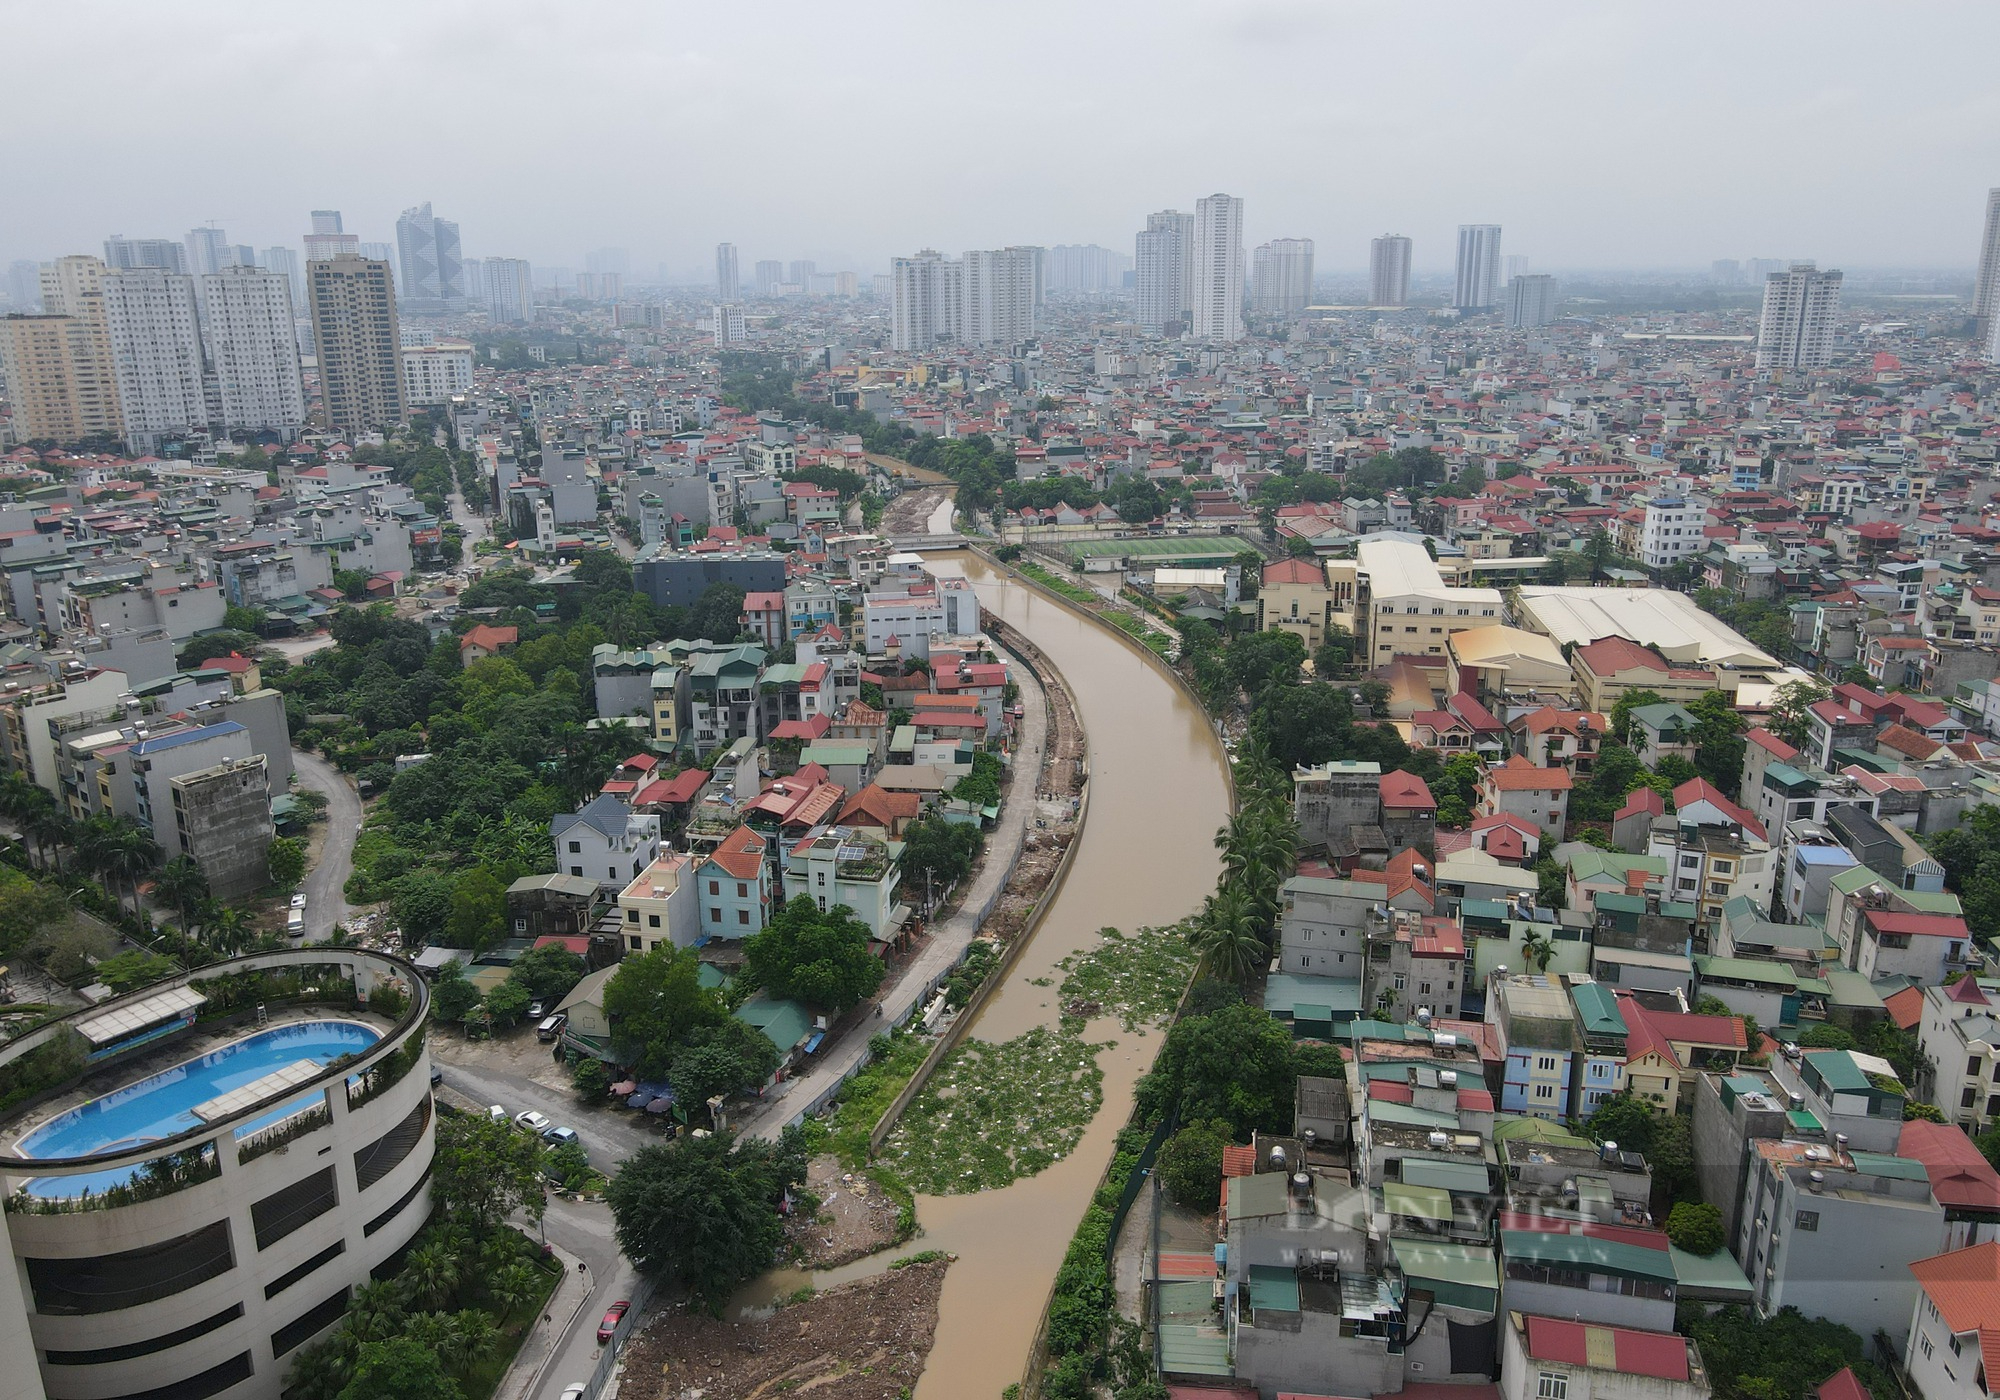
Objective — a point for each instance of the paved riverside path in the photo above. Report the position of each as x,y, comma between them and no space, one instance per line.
948,937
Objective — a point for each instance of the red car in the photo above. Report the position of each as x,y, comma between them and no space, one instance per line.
612,1317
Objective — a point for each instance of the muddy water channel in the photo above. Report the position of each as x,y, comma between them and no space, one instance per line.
1157,794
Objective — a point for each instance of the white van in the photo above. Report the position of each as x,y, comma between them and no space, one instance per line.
295,923
552,1027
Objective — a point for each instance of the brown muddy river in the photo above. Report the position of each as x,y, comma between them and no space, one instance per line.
1157,794
1147,856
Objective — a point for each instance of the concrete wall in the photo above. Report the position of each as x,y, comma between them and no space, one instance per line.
1315,1360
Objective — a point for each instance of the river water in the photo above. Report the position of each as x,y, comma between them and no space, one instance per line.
1146,856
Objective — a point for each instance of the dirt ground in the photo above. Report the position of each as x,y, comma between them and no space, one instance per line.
855,1218
865,1340
910,513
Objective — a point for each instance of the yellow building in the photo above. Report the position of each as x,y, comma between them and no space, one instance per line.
1295,598
1502,659
1611,668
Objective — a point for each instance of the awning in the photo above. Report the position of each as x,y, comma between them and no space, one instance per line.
638,1100
659,1106
1423,1202
136,1016
813,1043
624,1086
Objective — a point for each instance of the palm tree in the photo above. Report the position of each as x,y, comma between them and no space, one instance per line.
513,1286
1538,950
1227,936
182,884
431,1273
476,1338
378,1311
50,827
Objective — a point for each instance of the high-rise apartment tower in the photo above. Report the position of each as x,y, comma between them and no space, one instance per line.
358,343
1218,268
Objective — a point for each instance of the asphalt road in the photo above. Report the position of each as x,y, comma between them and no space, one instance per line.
607,1135
583,1229
580,1228
326,904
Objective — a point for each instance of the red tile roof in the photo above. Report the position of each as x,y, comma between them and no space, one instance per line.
1406,792
741,853
1965,1286
1961,1177
1662,1355
1517,774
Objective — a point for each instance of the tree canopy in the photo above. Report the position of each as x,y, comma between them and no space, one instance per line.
700,1212
654,1001
821,959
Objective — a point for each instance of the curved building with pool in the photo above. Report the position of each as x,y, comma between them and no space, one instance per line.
208,1178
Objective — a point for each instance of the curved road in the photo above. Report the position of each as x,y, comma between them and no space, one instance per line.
326,882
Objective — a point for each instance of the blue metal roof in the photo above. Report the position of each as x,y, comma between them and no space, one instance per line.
186,736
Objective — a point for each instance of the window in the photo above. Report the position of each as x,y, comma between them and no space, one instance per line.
638,944
1923,1340
1968,1098
286,1210
1546,1063
743,916
631,916
1807,1220
1401,981
291,1276
652,921
110,1282
714,915
1545,1091
105,1355
576,870
1972,1067
715,887
742,889
387,1152
576,848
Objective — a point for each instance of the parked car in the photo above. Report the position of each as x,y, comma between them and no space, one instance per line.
437,1076
298,901
295,923
613,1315
573,1392
496,1113
551,1027
536,1123
560,1136
535,1009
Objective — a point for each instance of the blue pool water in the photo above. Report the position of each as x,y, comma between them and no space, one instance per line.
162,1105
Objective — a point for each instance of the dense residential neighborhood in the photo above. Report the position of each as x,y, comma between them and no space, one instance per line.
777,743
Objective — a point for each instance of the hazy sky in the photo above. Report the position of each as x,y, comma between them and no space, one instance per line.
1608,135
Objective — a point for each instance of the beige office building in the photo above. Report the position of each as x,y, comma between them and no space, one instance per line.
358,343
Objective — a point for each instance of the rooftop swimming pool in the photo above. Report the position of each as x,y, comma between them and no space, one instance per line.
162,1105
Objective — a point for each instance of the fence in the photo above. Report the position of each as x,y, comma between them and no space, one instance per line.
607,1359
996,978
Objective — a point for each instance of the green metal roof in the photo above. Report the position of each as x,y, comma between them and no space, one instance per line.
1423,1202
1890,1165
1718,1273
1754,970
1193,1351
1465,1177
1837,1070
1597,1007
1590,1252
1410,1116
1291,994
784,1023
1470,1265
1274,1288
1636,904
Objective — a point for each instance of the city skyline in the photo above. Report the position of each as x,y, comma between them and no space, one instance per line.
1697,85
